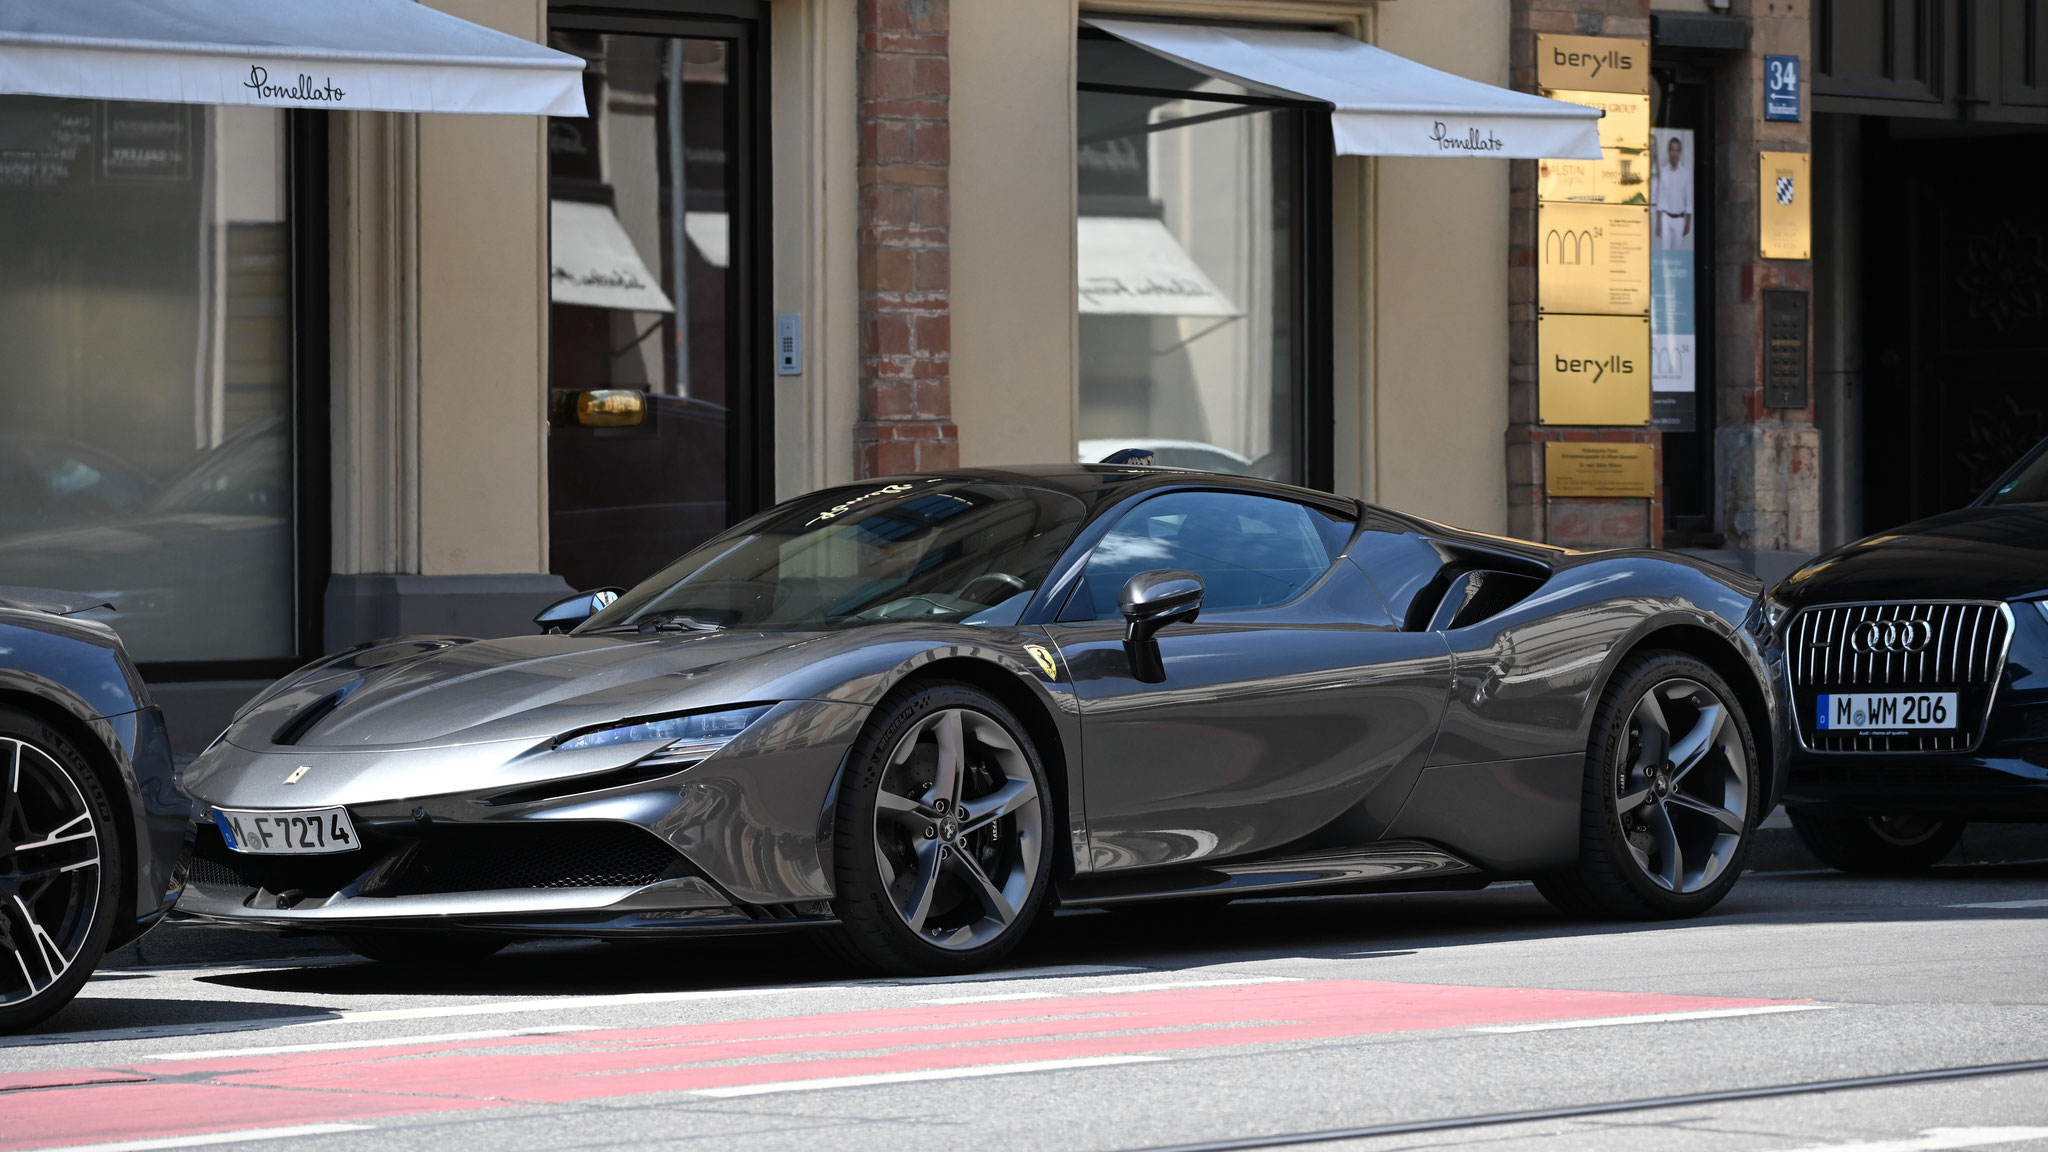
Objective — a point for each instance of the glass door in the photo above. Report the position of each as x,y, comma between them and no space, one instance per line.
655,402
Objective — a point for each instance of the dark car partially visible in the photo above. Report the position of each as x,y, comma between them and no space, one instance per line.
93,829
1914,664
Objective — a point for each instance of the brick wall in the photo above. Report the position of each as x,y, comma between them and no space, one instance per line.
906,412
1577,523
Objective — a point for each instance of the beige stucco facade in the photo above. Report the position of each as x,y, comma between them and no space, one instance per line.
440,258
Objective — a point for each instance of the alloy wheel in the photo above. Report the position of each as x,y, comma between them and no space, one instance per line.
959,826
1682,791
49,871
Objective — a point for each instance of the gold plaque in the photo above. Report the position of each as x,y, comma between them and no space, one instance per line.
1595,258
1622,174
1593,63
1626,124
1592,369
1592,469
1785,206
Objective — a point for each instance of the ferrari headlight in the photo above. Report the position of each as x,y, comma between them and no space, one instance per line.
683,737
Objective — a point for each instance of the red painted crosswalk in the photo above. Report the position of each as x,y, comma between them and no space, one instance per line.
209,1094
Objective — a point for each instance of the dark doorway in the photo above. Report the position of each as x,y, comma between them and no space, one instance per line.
1955,303
657,374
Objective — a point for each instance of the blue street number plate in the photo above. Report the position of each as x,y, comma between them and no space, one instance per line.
287,832
1886,711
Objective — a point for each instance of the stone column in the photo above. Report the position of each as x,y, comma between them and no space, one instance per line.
906,412
1768,458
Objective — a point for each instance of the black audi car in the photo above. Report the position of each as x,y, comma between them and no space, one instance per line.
1914,670
93,829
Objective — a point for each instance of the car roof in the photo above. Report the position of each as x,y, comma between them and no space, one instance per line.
1099,485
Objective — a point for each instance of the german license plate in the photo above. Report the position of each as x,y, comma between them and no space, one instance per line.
287,832
1886,711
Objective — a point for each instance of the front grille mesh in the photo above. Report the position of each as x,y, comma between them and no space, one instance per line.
453,858
1964,653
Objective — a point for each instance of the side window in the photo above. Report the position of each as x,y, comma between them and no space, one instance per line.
1250,551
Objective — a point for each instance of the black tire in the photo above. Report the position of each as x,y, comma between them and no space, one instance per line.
423,949
51,793
1613,877
1886,845
875,932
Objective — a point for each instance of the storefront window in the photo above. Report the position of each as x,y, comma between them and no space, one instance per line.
145,370
1190,238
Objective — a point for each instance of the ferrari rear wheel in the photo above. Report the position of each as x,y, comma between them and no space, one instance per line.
941,852
1853,842
1670,797
423,949
60,868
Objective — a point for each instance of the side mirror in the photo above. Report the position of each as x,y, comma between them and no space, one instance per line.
1150,601
563,615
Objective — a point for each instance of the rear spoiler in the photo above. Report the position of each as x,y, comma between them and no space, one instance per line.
50,601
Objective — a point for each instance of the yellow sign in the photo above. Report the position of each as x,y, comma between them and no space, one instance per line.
1785,206
1622,174
1583,469
1626,123
1593,63
1595,258
1592,369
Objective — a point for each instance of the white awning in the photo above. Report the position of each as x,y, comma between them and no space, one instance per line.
1381,104
1132,266
710,233
383,55
594,261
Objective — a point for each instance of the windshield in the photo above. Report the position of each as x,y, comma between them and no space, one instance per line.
2027,483
930,549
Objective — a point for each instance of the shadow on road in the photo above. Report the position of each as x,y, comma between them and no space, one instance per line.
1178,936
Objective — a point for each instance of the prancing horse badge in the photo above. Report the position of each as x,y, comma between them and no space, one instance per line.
298,774
1045,661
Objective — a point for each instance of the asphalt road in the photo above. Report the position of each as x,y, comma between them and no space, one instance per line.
1471,1020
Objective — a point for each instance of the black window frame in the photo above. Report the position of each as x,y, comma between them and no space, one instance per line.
750,329
1313,289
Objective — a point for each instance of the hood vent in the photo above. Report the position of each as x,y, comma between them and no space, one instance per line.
299,725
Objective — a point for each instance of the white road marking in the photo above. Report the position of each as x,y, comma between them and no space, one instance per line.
210,1138
1654,1018
825,1082
1931,1139
343,1045
2003,904
1047,972
553,1004
1117,990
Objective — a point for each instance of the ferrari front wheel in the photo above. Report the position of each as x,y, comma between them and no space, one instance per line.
941,854
1670,797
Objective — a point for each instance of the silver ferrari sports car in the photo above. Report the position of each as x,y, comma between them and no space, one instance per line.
916,713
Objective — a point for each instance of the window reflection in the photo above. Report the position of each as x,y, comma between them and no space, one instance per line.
639,287
1188,295
145,392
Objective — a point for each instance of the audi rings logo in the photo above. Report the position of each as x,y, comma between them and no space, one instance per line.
1891,636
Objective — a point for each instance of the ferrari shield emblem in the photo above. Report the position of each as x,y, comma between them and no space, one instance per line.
1046,663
